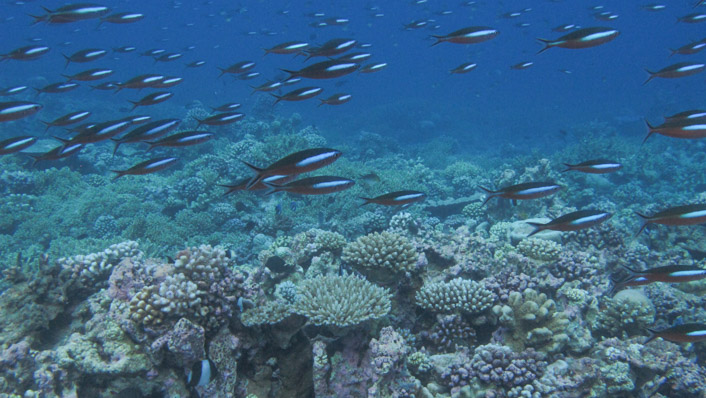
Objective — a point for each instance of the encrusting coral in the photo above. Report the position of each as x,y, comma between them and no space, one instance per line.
534,321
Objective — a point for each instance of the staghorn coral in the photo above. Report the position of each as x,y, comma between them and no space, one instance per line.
381,255
534,321
539,249
341,300
457,295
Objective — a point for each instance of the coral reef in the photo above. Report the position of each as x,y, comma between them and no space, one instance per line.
457,295
381,256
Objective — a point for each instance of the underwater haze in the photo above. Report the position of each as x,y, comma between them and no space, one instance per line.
416,198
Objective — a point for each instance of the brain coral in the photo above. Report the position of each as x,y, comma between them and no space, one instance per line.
534,321
457,295
341,300
381,255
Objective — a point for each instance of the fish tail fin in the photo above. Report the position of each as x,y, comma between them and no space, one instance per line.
134,105
223,72
64,140
200,122
651,130
491,195
321,103
279,98
120,174
538,227
673,52
644,225
48,125
272,188
651,335
547,45
439,39
256,178
367,201
652,75
117,145
569,167
230,188
37,19
152,144
68,60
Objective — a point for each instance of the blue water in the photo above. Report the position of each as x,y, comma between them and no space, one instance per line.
525,107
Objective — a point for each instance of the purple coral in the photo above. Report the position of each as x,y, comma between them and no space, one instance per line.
502,367
451,331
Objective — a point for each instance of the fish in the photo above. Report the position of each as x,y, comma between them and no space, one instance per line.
370,177
90,75
680,69
565,27
248,76
195,64
125,49
572,221
237,68
667,273
267,86
686,333
416,24
684,129
87,55
290,47
464,68
106,86
72,13
26,53
605,16
469,35
654,7
336,99
5,92
355,57
320,185
300,94
231,106
679,215
141,81
153,52
527,190
184,138
582,38
690,48
138,119
325,70
331,48
201,374
69,118
16,144
60,152
168,81
220,119
57,88
168,57
596,166
692,18
147,167
98,132
691,114
522,65
399,198
295,163
149,131
14,110
370,68
152,99
123,17
242,184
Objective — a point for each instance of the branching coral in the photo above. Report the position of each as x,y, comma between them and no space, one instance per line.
539,249
457,295
341,300
534,321
95,267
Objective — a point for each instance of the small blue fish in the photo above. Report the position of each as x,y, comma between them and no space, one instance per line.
278,209
293,206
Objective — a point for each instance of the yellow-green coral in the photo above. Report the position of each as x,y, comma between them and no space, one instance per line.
341,300
269,313
534,321
539,249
